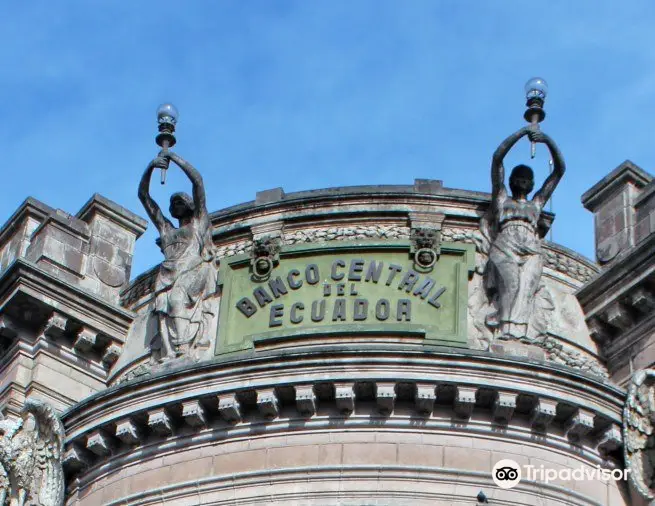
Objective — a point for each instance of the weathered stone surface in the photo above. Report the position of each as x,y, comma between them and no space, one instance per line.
97,442
128,432
385,394
193,413
267,403
160,422
31,452
85,340
344,394
579,424
543,414
465,401
305,400
503,406
229,408
425,397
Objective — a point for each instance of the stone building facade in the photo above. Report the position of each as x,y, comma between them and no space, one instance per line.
353,371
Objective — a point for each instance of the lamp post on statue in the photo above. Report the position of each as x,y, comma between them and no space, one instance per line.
167,116
536,90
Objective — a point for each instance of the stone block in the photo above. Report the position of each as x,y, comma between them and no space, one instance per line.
467,459
75,459
85,340
378,454
611,439
240,462
194,414
330,454
128,432
229,408
267,403
97,442
464,401
543,414
292,456
160,422
503,407
56,325
579,424
305,400
420,455
385,395
425,397
344,396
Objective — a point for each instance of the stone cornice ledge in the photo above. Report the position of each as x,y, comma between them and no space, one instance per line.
23,276
359,390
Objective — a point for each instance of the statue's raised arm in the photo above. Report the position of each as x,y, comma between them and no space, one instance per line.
199,199
553,179
152,208
497,163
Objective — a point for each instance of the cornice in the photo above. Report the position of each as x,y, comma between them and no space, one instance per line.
363,389
25,277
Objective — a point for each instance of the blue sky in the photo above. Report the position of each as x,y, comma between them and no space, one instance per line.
311,94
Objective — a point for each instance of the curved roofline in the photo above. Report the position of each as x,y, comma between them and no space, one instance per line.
421,187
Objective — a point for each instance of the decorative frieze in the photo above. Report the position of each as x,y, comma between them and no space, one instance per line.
263,405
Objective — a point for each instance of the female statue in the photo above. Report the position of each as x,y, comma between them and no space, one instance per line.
515,262
187,276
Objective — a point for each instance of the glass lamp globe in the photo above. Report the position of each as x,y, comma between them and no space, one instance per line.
536,88
167,113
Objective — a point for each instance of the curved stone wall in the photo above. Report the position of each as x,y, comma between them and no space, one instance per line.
354,414
343,424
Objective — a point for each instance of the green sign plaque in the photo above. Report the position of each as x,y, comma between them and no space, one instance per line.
326,289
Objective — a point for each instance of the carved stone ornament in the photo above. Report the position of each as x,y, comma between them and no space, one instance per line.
426,246
638,436
186,279
31,450
265,256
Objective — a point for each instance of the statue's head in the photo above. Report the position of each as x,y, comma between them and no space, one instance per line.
182,205
521,181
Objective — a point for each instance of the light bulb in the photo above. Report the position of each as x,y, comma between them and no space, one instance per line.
167,113
536,88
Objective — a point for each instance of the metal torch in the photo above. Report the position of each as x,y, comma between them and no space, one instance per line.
167,116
